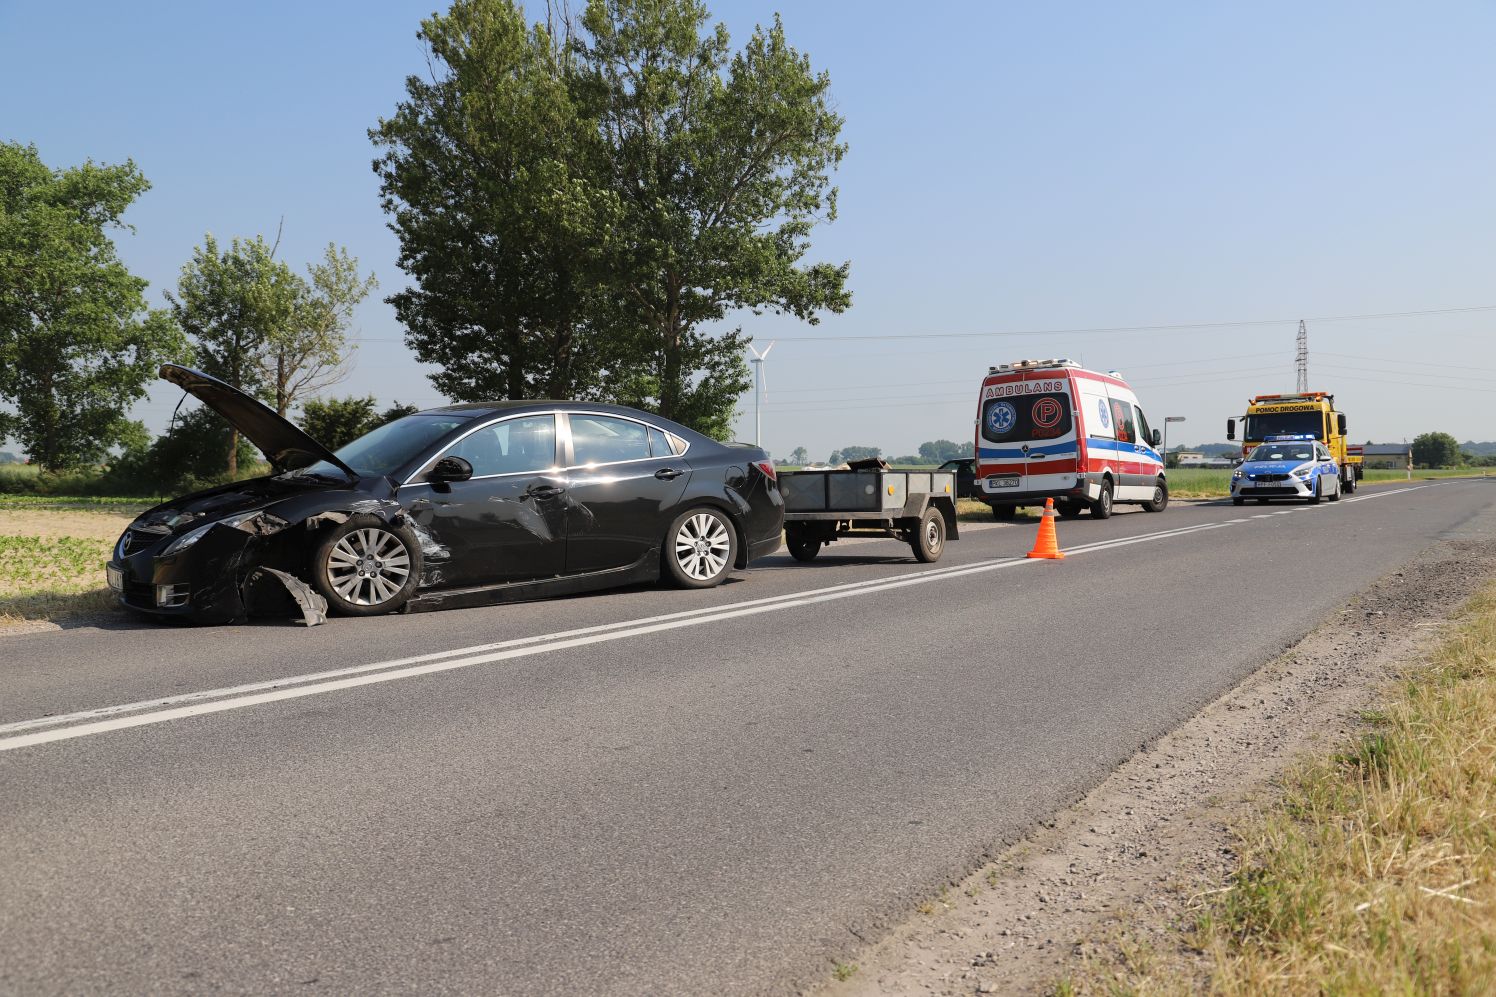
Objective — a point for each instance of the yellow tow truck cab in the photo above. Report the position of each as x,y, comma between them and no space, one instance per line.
1309,413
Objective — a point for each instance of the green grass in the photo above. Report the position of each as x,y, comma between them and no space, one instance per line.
124,505
42,577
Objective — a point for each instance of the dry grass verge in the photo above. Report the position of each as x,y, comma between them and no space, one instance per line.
1376,870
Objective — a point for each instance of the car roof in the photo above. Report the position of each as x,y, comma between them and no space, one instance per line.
478,410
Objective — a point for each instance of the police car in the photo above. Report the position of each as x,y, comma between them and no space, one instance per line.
1287,467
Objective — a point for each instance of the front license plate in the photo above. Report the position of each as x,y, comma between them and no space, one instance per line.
115,576
1002,482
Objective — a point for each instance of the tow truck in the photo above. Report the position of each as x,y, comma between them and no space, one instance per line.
1307,414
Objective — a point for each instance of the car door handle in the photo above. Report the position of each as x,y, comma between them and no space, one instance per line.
543,491
1038,456
668,474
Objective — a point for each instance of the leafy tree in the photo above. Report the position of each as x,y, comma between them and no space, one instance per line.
489,173
235,304
1436,450
858,453
335,422
188,456
800,456
310,352
940,451
722,165
835,458
77,343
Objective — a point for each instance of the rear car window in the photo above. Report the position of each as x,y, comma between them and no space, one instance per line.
598,439
1025,417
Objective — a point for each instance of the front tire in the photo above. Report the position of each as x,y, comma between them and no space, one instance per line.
929,540
1335,495
1160,500
366,567
1102,507
700,548
1314,499
1238,501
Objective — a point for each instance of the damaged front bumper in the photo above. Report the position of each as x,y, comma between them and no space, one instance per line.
224,575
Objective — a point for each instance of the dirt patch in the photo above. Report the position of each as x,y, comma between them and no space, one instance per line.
62,523
1127,864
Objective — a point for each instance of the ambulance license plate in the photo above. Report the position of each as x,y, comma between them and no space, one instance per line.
1002,482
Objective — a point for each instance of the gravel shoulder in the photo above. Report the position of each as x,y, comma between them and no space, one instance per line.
1118,871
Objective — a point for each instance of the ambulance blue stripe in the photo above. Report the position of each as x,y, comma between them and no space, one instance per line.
1066,449
1092,443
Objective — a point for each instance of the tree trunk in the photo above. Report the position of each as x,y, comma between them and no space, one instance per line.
670,375
233,453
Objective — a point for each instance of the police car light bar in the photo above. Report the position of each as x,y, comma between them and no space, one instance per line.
1288,437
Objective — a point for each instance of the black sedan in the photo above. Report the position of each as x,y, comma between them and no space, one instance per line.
456,506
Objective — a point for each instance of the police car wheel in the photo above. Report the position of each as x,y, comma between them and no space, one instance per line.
1102,507
1238,501
1335,495
1314,499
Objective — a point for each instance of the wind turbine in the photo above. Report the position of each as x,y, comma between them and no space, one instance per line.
758,386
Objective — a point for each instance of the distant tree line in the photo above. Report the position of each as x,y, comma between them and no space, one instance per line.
931,453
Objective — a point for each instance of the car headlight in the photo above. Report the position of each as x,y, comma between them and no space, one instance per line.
192,536
1236,475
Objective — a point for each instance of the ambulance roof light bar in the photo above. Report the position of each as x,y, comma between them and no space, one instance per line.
1030,364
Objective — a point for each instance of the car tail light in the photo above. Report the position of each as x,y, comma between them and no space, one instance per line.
767,467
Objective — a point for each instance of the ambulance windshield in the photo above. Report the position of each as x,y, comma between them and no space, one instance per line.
1262,426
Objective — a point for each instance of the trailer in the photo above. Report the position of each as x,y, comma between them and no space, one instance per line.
821,507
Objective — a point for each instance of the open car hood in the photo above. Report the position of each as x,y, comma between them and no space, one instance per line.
284,445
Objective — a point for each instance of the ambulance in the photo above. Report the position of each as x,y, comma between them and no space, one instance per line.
1052,429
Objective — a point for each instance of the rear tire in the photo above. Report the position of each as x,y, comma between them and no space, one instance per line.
1102,507
929,540
701,547
1160,500
1335,495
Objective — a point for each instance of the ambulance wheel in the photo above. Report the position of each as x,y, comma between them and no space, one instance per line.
1102,507
1068,510
1160,500
801,549
1238,501
929,540
1004,511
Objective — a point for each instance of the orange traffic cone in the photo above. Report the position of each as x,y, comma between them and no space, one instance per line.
1047,545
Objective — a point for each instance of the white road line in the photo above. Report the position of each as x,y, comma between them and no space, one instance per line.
106,719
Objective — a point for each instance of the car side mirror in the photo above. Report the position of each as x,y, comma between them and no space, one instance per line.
1157,438
450,469
1230,429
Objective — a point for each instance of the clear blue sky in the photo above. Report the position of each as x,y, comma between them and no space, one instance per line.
1013,167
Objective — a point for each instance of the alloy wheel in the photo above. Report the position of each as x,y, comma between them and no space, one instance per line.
702,545
368,567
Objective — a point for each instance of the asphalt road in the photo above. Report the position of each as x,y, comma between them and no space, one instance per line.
645,791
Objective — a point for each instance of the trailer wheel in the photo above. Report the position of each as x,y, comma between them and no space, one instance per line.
929,540
802,549
1102,507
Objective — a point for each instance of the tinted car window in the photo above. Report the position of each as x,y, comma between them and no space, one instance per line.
598,439
382,450
511,447
659,443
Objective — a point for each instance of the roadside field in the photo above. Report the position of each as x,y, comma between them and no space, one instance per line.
52,559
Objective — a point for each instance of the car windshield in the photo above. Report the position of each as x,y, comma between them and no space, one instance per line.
1264,424
1283,451
391,446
